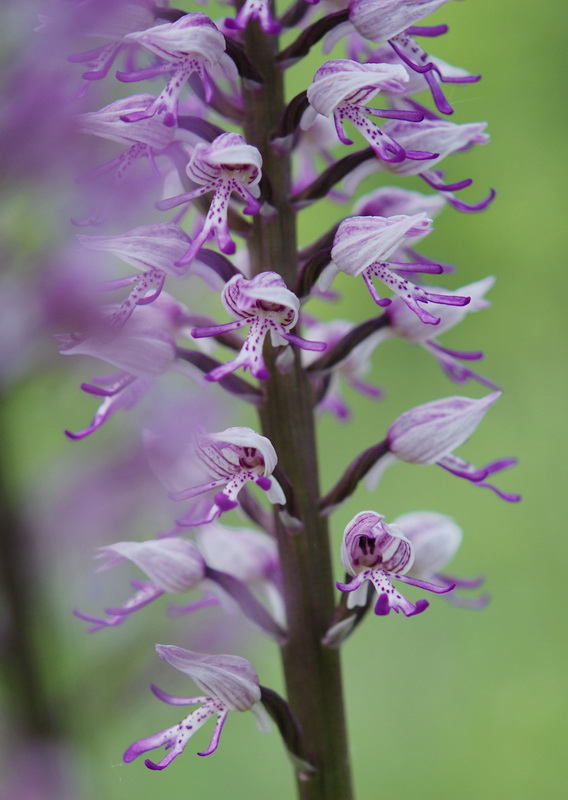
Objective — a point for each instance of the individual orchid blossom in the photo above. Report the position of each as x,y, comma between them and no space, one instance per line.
232,458
268,306
144,138
250,556
428,434
173,565
362,245
405,325
231,684
254,9
436,539
153,249
115,22
373,551
393,21
379,20
342,87
191,44
448,138
143,349
225,166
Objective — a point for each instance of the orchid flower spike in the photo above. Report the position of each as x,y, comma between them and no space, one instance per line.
173,565
343,87
436,539
373,551
191,44
394,21
230,684
268,306
232,458
428,434
362,245
225,166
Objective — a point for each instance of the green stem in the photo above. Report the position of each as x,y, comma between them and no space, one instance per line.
312,671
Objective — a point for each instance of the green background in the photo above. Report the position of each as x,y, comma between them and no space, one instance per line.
453,703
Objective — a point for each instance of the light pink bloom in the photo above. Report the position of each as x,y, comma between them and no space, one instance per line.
231,684
268,306
225,166
191,44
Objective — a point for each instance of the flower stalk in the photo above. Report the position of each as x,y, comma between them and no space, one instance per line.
312,670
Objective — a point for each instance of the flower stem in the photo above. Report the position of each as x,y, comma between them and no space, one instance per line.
312,671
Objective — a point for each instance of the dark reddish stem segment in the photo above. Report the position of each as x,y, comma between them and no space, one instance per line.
312,671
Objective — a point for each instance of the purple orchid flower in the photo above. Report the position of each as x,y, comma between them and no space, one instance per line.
394,21
362,245
343,87
268,306
143,349
191,44
144,138
225,166
254,9
430,71
405,325
352,369
231,684
153,249
115,20
173,565
428,434
436,539
373,551
232,458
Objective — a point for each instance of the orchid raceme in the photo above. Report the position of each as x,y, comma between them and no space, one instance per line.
231,684
376,552
234,160
267,306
